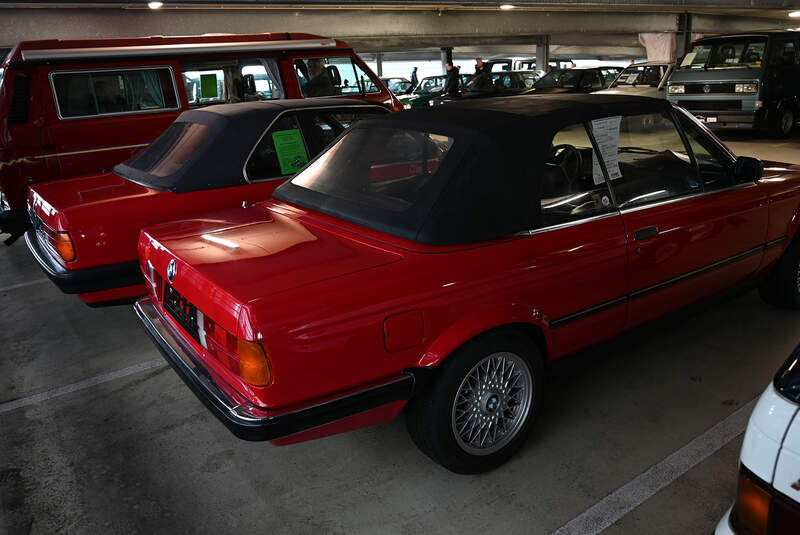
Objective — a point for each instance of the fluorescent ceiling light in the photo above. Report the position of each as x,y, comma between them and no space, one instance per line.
154,5
507,6
794,14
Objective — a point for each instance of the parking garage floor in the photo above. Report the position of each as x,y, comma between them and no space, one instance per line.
640,434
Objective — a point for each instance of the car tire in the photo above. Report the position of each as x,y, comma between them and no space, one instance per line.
784,122
494,381
781,286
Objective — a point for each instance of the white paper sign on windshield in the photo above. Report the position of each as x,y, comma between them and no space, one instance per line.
606,134
688,59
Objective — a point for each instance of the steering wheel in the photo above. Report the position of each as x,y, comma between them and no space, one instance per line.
569,159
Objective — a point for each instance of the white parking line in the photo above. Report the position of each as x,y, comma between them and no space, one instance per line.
641,488
22,285
80,385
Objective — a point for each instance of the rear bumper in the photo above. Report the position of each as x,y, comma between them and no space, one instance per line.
244,419
79,281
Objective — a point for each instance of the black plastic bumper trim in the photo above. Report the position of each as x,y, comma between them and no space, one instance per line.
240,416
80,281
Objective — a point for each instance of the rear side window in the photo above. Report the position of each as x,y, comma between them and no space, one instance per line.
296,138
112,92
171,150
227,81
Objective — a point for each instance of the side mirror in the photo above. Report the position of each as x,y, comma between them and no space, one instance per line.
249,81
747,169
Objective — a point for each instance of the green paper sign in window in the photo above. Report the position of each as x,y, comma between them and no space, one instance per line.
291,150
208,86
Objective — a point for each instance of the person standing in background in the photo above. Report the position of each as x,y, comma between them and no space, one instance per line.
451,88
481,67
414,79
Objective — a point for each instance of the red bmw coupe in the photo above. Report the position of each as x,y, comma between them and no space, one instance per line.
435,260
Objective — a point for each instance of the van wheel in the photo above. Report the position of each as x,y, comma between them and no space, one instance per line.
784,122
482,404
781,287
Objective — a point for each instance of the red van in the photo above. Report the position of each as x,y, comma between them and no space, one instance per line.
72,108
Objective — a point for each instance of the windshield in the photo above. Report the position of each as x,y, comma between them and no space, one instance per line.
562,78
726,53
434,83
379,177
165,156
399,86
641,75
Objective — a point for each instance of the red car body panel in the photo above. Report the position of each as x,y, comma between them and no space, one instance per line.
324,328
105,213
46,147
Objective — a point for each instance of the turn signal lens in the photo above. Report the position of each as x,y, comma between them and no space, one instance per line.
253,364
63,245
751,512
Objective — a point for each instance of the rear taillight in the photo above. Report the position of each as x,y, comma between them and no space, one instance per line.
59,241
750,514
246,359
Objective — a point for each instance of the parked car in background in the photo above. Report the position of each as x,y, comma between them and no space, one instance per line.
768,494
398,86
85,229
584,80
72,108
648,79
492,84
741,81
529,64
428,88
435,259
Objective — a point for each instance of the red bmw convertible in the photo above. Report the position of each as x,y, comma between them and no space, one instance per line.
435,260
85,229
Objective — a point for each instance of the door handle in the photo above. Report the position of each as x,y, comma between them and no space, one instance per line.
644,233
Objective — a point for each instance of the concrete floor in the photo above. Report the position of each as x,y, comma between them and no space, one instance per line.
141,454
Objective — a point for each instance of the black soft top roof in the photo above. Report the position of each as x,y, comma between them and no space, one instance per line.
234,129
536,117
490,188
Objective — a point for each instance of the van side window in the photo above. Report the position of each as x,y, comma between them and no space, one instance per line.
328,76
107,92
783,52
226,81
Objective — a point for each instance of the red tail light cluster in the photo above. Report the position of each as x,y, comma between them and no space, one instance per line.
246,359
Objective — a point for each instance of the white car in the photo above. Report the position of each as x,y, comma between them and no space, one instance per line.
646,79
768,496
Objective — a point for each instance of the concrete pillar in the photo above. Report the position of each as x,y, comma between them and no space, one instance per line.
447,55
379,63
543,53
684,37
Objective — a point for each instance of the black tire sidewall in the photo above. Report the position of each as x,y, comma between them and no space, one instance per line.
778,126
436,422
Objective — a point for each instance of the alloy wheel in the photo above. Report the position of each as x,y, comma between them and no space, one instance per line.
492,403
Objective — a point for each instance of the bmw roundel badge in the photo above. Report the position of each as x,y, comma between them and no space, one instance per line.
172,270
